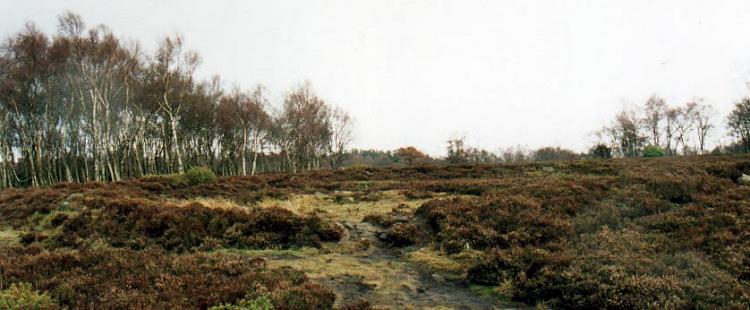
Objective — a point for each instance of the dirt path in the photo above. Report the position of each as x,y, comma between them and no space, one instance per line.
429,291
361,267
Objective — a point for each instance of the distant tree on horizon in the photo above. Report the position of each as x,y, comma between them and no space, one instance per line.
554,153
411,155
457,151
601,151
739,123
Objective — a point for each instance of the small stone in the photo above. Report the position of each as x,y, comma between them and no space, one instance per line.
382,236
744,179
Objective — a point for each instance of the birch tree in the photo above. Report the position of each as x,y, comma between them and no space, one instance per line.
341,136
739,123
703,125
170,80
654,114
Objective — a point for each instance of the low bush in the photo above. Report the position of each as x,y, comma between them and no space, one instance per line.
404,234
23,296
154,279
200,175
308,296
137,224
672,190
653,151
611,270
163,181
494,222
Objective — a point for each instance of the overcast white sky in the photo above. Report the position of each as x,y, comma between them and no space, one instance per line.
503,73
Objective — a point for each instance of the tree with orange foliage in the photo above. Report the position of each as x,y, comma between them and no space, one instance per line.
411,155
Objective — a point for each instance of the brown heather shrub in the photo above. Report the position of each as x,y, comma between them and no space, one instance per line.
666,233
636,201
244,190
627,269
611,270
17,205
672,189
404,234
494,222
154,279
669,232
728,169
515,263
308,296
137,223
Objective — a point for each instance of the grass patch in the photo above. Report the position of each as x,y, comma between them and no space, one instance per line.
9,237
329,206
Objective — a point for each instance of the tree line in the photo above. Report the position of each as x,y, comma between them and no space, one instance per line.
652,129
673,130
85,105
656,128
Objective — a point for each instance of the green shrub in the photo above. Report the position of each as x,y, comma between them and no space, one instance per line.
23,296
200,175
653,151
159,181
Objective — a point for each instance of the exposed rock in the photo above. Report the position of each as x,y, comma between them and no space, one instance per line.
400,219
383,236
744,179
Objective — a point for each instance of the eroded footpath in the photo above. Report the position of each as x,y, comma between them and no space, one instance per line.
363,267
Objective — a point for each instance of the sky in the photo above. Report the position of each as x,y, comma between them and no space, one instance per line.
500,73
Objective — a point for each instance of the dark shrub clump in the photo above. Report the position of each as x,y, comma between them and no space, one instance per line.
154,279
138,224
